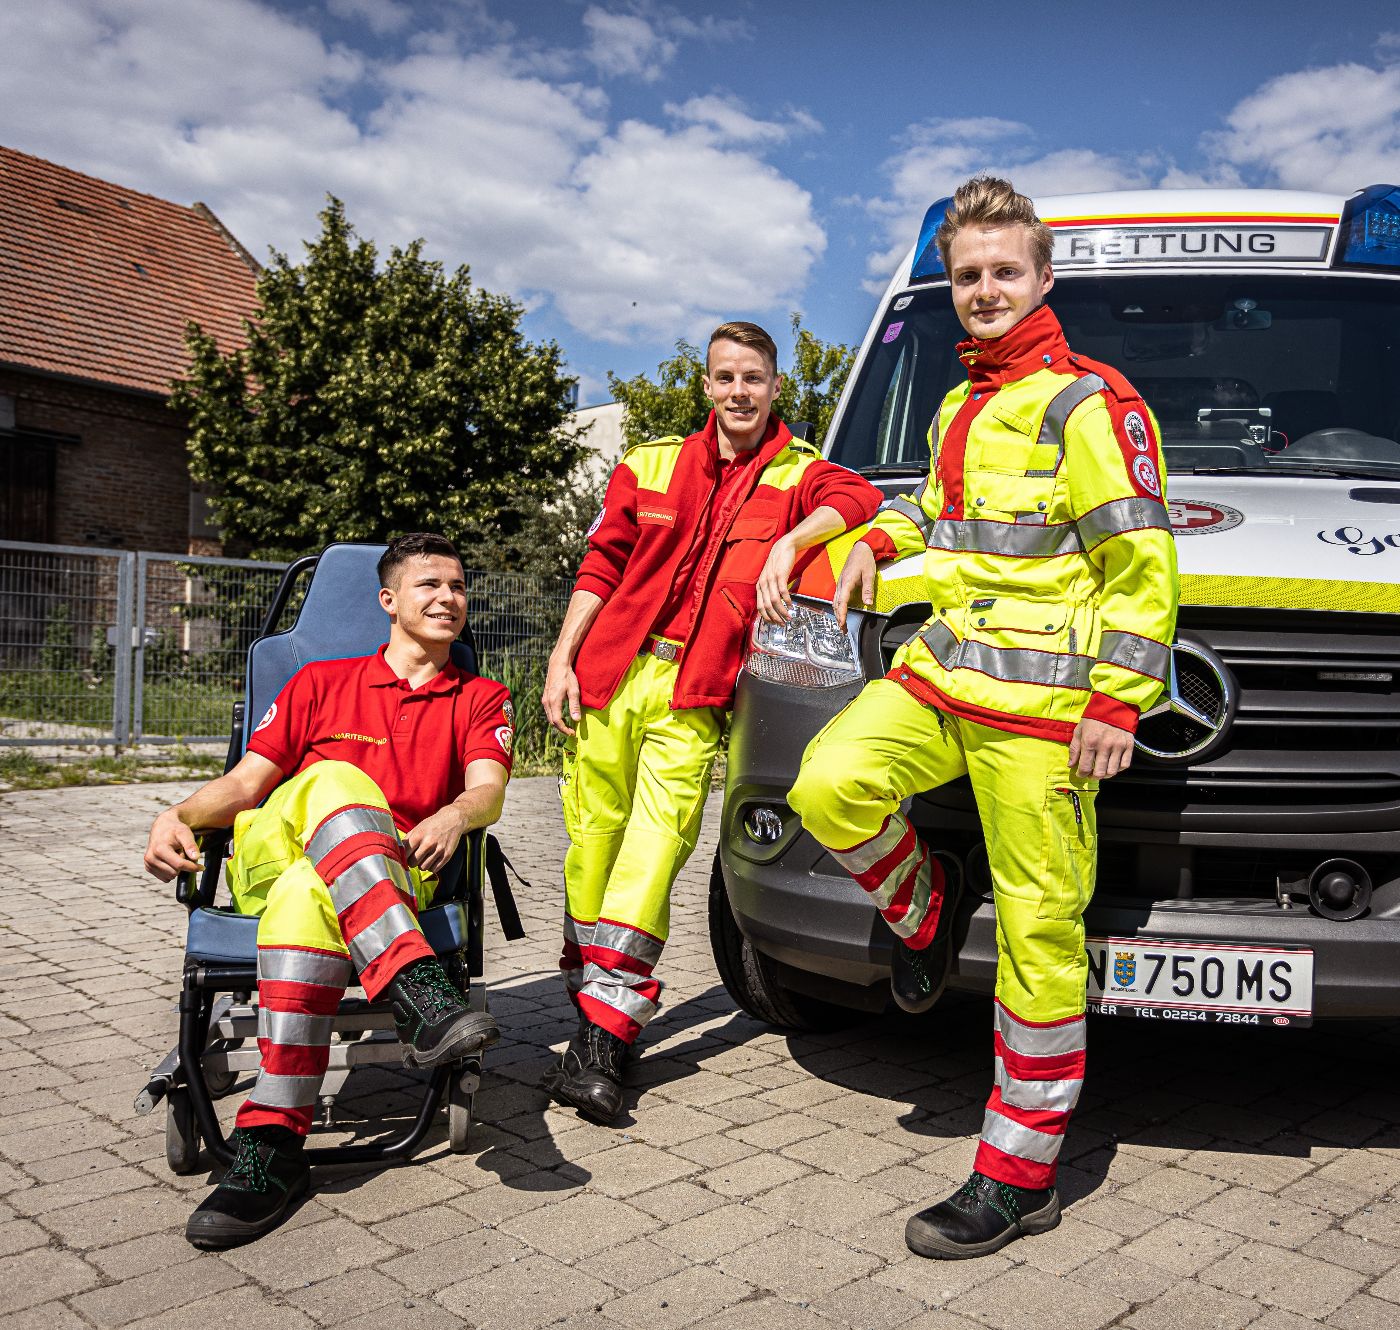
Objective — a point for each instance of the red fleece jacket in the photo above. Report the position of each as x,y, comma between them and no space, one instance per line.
655,497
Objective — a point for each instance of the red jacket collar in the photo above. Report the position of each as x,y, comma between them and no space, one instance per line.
776,437
380,675
1034,343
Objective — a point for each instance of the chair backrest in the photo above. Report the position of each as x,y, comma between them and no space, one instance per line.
340,616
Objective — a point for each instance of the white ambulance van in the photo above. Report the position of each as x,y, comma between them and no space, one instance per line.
1250,859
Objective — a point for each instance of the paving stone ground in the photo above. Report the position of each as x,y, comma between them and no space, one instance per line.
1214,1177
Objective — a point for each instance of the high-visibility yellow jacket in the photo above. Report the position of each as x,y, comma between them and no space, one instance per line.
1048,557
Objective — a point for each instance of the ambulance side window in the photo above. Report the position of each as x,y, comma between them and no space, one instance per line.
894,414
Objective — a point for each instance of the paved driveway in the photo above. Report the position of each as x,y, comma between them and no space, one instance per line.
1215,1178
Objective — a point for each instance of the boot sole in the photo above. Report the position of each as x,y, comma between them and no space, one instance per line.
924,1240
471,1036
560,1094
224,1231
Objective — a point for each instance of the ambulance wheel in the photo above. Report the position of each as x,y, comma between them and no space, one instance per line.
181,1133
751,979
461,1092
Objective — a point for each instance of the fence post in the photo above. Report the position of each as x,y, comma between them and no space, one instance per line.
121,655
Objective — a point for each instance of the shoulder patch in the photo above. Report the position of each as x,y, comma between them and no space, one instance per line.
651,443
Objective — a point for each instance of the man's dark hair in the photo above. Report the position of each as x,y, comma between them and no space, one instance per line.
411,545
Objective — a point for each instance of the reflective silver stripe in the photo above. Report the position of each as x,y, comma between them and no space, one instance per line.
1119,515
1135,653
375,940
1052,1096
350,822
580,934
1012,1138
1009,664
1039,1041
363,876
293,1027
1052,424
906,508
618,937
862,858
884,892
918,902
626,1000
1017,539
284,1091
289,966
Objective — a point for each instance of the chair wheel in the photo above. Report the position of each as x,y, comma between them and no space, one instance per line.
220,1082
181,1133
461,1092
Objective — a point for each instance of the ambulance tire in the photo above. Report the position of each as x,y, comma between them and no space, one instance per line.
751,979
181,1133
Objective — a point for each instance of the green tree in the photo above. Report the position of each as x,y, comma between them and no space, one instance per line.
372,400
675,402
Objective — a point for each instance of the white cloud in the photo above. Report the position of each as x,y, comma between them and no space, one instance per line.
627,44
480,146
1336,128
939,155
729,121
381,17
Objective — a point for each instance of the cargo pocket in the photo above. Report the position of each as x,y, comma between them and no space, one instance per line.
1069,848
568,788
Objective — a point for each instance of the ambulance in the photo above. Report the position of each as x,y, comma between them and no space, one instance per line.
1249,864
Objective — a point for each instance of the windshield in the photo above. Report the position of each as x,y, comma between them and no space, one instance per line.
1243,373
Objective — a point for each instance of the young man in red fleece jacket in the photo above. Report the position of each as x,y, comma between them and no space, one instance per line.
696,535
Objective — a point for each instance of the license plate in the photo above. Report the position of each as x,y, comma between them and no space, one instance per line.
1215,982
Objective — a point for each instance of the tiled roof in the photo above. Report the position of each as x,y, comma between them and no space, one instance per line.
98,281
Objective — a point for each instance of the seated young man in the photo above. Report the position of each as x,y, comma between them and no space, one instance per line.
373,769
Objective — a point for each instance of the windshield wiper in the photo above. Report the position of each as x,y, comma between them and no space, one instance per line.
894,469
1341,466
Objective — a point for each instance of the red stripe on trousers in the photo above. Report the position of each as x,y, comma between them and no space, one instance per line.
354,848
409,946
571,958
608,959
1037,1025
612,1020
1050,1121
1015,1172
291,1059
938,886
903,847
1028,1067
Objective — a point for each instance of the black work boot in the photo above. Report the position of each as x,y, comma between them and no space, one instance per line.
432,1017
568,1062
269,1171
595,1087
917,978
982,1216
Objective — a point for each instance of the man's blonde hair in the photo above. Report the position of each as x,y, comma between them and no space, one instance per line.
746,334
987,200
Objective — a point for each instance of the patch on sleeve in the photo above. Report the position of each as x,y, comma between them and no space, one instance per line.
1137,441
597,521
268,717
505,736
508,711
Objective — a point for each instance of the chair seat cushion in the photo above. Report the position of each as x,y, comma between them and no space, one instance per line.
222,937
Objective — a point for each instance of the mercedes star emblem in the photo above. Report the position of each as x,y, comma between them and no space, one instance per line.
1193,715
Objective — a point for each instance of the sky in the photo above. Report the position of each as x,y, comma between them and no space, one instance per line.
634,172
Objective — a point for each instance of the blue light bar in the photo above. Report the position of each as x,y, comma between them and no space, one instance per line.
928,262
1370,229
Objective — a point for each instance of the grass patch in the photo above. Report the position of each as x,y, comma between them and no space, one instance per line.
20,769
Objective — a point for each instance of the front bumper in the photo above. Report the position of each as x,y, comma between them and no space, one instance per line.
797,906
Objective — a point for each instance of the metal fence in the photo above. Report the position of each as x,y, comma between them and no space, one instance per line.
101,646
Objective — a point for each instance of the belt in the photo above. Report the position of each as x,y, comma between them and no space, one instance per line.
661,648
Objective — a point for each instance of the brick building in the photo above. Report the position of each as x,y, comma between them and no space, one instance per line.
97,284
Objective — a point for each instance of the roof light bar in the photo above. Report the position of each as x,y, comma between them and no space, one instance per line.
928,262
1370,229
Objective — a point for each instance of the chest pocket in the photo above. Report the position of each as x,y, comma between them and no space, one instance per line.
753,524
1015,621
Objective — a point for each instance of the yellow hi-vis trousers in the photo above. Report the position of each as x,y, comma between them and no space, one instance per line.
633,789
321,864
1039,826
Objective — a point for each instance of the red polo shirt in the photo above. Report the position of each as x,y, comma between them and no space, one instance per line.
414,743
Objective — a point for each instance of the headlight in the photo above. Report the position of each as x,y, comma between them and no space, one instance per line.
810,650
